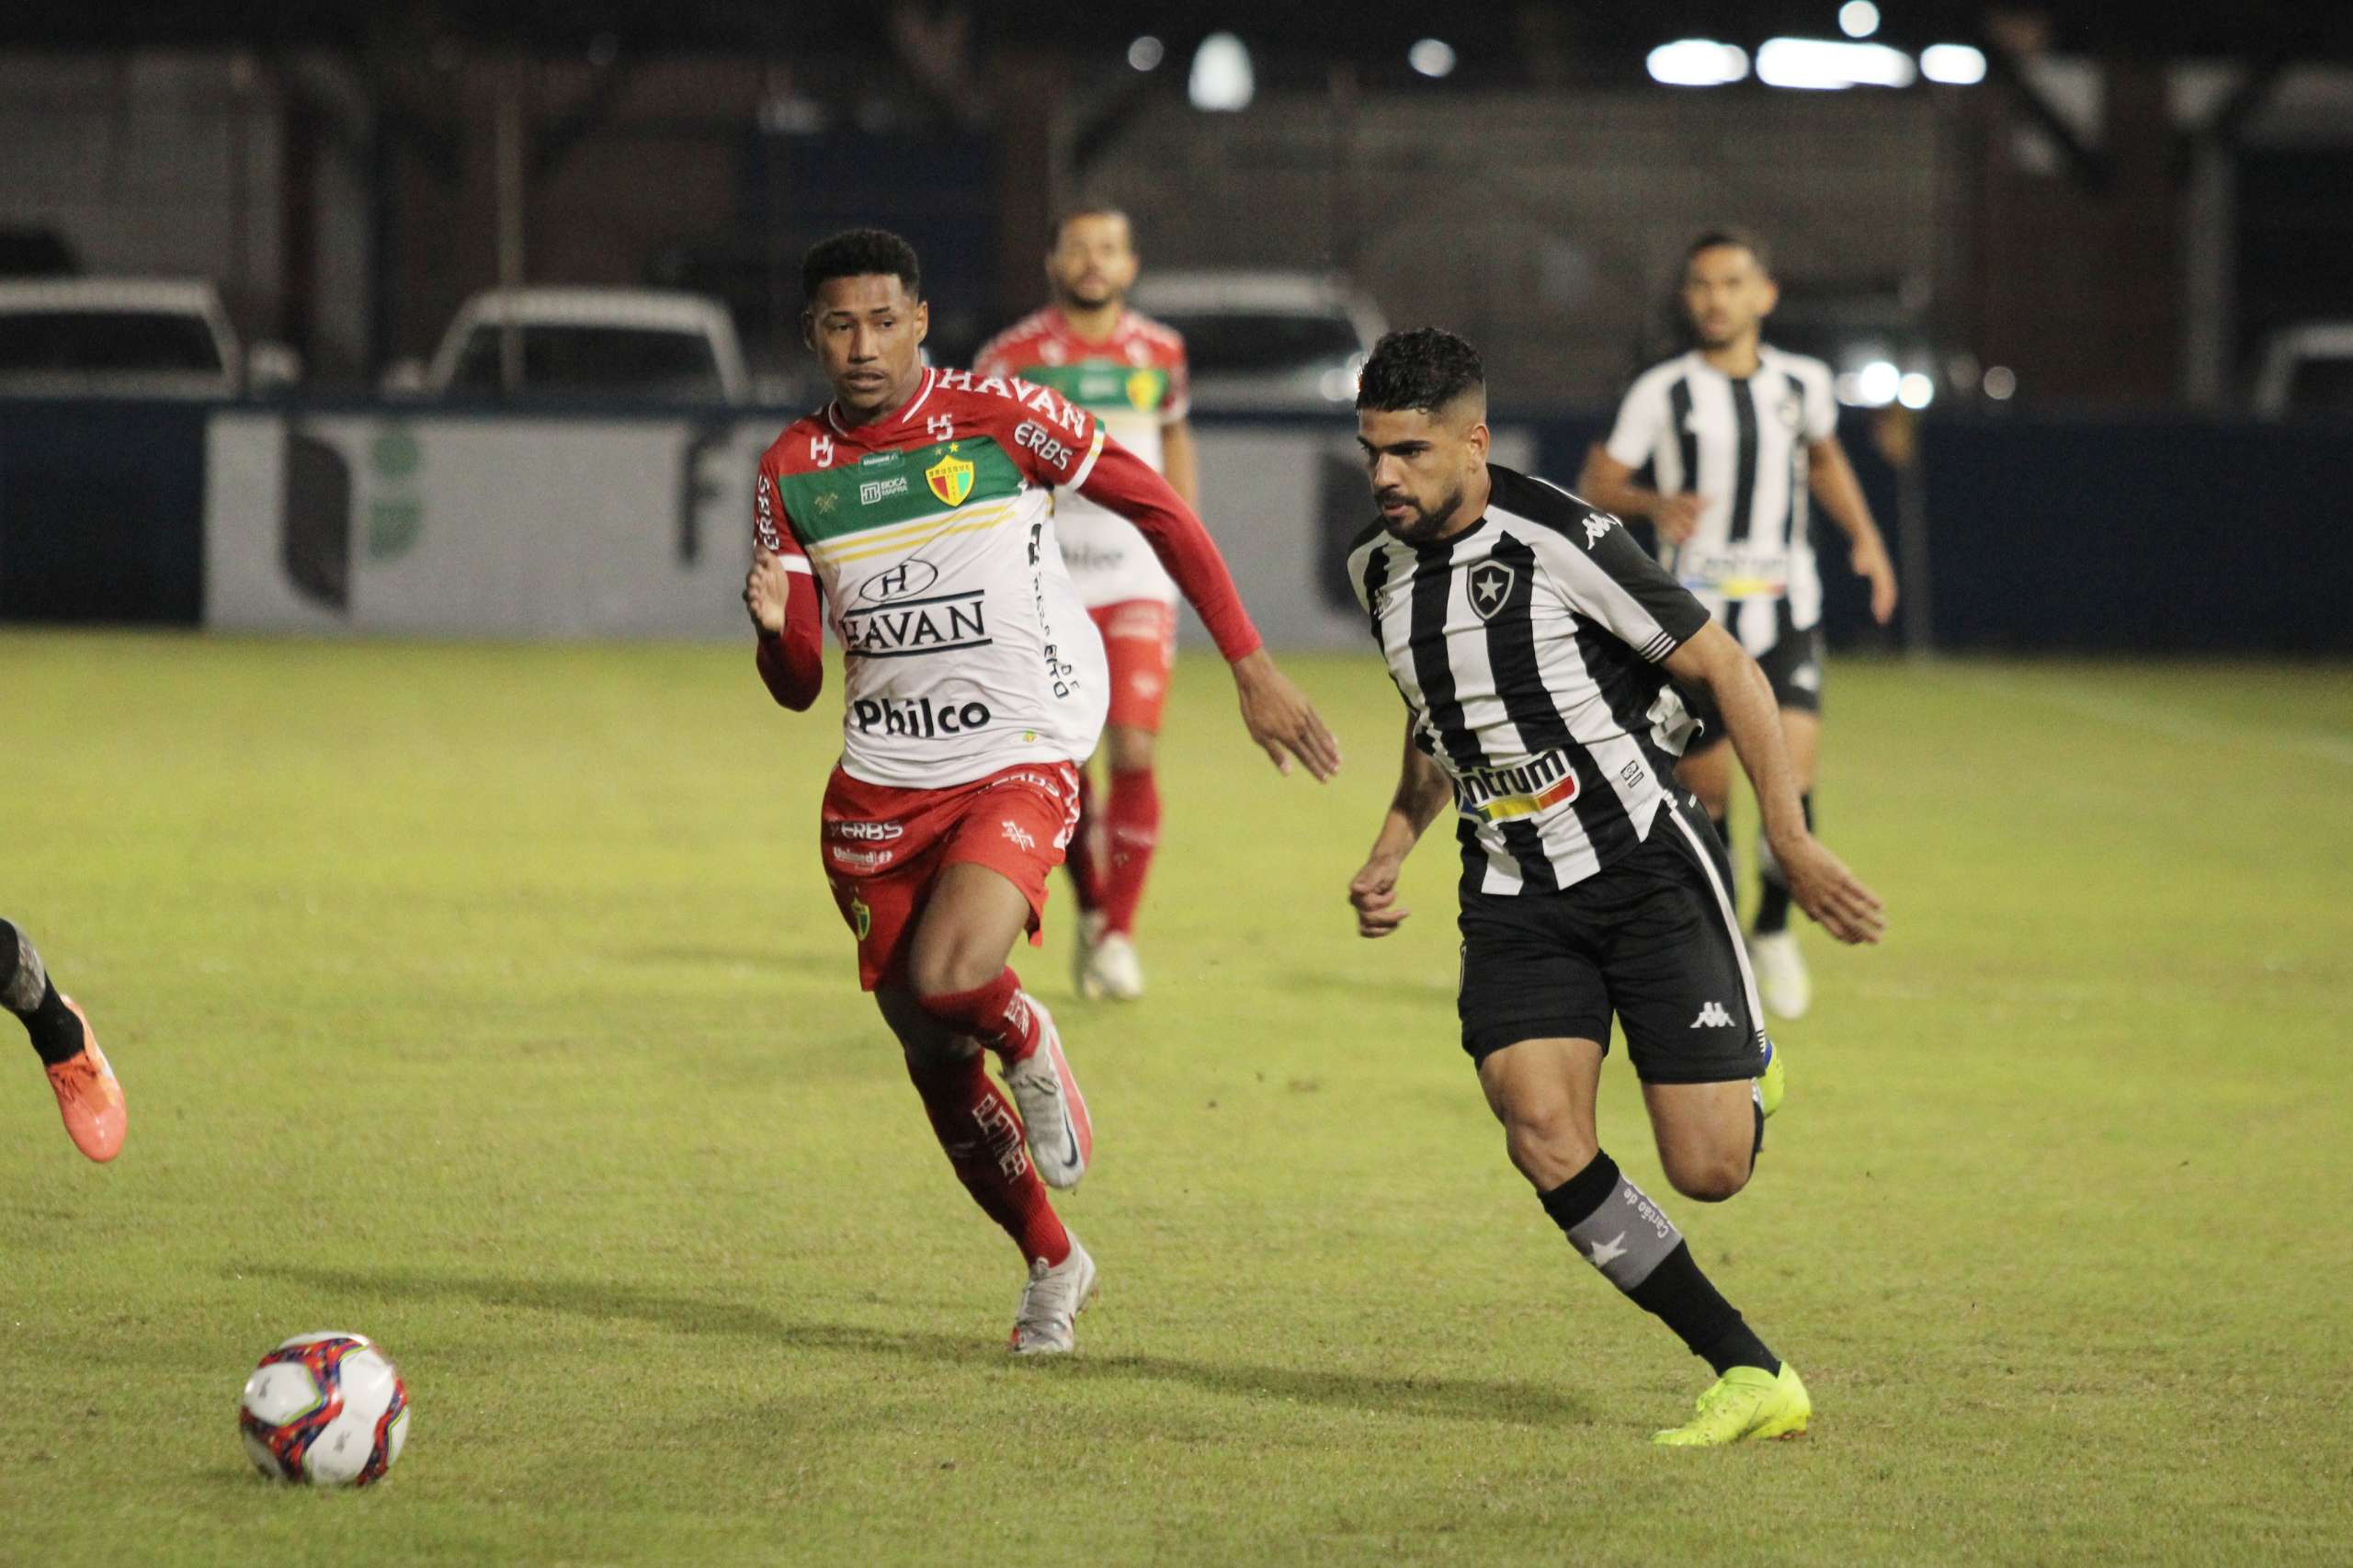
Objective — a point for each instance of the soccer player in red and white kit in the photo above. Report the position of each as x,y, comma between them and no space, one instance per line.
1129,371
912,513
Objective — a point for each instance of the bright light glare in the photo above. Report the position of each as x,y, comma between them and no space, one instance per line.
1431,57
1222,79
1915,390
1146,53
1877,382
1859,18
1955,64
1822,62
1697,63
2001,382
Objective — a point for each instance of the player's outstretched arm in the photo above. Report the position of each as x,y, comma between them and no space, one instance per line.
1277,713
1819,880
1832,479
782,604
1422,792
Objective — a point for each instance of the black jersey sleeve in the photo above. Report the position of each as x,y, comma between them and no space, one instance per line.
1600,571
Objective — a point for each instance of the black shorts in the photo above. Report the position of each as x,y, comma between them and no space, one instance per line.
1793,665
1651,938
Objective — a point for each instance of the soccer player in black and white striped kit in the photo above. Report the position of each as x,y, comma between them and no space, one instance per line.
1739,436
1533,641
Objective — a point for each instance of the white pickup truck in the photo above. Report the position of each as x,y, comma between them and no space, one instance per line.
549,341
128,338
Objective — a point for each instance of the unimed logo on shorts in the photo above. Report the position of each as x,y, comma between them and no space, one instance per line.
917,718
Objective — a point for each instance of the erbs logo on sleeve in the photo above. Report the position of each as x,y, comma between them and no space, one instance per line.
917,718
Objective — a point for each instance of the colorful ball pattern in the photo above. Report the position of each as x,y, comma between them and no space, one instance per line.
325,1410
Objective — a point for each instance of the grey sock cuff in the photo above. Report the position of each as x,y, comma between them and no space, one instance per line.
1627,1237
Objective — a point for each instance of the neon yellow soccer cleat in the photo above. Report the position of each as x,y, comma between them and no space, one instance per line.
1745,1404
1772,1082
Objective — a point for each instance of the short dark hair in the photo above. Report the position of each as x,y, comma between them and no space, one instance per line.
1736,238
860,253
1425,369
1062,216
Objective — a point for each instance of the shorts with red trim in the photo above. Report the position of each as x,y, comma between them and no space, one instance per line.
1140,645
885,847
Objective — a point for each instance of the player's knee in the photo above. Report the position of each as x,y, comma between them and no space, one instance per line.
941,968
1710,1177
1547,1141
1130,748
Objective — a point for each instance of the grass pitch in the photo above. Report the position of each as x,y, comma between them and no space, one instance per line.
487,1001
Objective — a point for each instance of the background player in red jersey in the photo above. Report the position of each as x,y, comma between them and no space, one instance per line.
916,507
1129,371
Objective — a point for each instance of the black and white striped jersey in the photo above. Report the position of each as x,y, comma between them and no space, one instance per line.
1742,444
1527,648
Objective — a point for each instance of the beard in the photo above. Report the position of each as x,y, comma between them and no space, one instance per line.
1089,295
1421,524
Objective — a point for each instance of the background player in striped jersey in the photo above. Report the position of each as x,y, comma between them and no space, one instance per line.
1129,371
88,1097
912,513
1737,434
1533,641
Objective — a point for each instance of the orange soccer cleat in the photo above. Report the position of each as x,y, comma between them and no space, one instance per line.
89,1096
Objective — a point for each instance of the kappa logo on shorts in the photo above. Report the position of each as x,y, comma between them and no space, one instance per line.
1021,837
1712,1016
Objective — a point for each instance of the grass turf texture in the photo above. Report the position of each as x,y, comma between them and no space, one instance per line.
488,1002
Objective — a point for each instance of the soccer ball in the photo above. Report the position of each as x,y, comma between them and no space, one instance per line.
326,1410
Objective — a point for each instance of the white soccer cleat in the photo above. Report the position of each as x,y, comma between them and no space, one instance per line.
1782,978
1051,1301
1054,1113
1112,972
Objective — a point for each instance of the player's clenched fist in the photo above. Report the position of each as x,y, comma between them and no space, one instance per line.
1374,894
766,587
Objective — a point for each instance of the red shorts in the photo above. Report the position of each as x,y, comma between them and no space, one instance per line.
1140,642
885,847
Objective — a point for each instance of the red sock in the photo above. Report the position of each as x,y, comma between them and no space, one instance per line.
996,1014
982,1134
1083,856
1134,833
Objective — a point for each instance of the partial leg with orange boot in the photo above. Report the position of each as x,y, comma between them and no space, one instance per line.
88,1097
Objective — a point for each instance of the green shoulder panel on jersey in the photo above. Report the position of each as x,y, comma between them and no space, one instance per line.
1105,384
899,486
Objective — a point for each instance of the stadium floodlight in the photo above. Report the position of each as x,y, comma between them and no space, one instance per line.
1697,63
1877,382
1828,65
1955,64
1146,53
1915,389
1222,80
1859,18
1432,57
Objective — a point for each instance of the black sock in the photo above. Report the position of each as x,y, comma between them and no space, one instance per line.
1773,907
57,1033
1621,1231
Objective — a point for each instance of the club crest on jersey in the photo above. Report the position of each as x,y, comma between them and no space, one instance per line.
1144,389
1491,585
951,478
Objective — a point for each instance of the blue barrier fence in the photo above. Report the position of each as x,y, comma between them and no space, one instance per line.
2146,534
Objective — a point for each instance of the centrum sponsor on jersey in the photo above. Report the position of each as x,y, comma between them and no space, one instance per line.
1498,794
917,718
